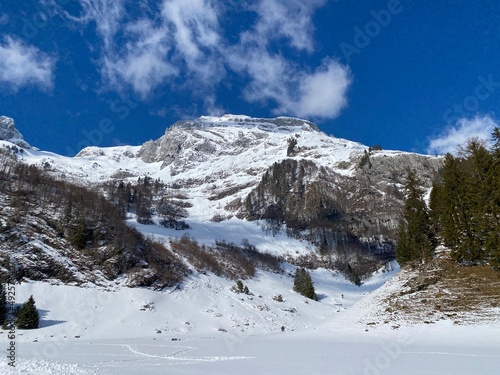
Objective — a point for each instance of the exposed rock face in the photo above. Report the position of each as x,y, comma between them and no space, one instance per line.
185,135
384,168
8,132
332,209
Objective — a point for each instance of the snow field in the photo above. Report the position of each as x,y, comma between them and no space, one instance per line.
203,327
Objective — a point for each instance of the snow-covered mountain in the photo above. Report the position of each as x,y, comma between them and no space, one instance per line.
227,198
283,170
218,146
281,184
216,160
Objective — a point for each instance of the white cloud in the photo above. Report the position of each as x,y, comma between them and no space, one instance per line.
196,25
295,89
287,18
22,65
184,45
321,94
151,51
183,41
144,70
268,73
141,62
197,37
105,14
455,136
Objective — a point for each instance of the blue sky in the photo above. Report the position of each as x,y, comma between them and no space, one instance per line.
412,75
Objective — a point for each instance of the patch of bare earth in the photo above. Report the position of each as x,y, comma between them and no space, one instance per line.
444,290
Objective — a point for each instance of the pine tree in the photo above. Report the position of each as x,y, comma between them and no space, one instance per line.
416,234
494,240
466,203
453,211
436,201
27,317
303,284
239,286
79,234
403,251
68,212
482,206
496,139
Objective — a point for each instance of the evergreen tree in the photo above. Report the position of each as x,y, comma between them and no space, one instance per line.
27,317
239,286
436,201
303,285
466,203
3,304
453,210
68,212
494,240
416,234
481,205
403,252
496,139
79,235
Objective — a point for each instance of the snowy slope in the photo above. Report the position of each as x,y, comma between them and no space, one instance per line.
203,305
206,328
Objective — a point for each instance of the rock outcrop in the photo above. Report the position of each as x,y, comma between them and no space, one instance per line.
8,132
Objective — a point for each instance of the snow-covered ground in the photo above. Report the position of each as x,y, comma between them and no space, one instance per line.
206,328
233,231
412,351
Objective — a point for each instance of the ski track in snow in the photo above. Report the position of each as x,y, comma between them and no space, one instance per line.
176,358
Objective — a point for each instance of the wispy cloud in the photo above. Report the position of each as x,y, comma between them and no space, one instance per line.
296,90
105,15
290,19
196,39
455,136
142,62
321,94
184,44
23,65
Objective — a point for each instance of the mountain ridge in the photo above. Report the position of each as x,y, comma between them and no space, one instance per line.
277,177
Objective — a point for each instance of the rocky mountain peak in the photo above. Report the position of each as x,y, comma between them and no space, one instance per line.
8,132
278,124
189,142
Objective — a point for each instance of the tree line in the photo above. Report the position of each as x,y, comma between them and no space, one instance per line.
463,211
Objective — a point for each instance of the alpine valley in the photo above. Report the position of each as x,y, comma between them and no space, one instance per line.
178,256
